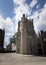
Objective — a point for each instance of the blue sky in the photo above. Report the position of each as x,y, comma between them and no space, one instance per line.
11,12
7,6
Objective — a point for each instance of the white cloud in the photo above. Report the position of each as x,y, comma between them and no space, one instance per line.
20,10
33,3
38,16
9,27
18,2
39,19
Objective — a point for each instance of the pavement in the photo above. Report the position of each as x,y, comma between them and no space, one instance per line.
19,59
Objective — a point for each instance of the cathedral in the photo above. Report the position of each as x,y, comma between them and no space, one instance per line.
26,40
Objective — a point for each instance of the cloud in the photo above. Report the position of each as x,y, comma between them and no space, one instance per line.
39,19
23,8
8,25
33,3
9,28
42,19
18,2
39,16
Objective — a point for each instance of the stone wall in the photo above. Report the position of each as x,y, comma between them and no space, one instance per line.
26,37
42,37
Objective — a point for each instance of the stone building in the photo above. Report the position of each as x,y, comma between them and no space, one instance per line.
9,46
42,45
26,41
2,33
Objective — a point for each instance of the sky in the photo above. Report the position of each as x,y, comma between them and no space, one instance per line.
11,12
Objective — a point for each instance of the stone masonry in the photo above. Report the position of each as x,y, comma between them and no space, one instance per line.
26,41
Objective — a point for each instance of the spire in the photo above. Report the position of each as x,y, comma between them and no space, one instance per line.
23,15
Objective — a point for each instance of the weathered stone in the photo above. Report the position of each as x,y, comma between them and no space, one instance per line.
26,42
42,45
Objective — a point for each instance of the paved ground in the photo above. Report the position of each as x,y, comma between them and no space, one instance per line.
18,59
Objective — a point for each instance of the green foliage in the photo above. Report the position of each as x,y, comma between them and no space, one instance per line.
14,38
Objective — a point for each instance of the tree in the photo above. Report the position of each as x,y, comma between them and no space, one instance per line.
14,38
